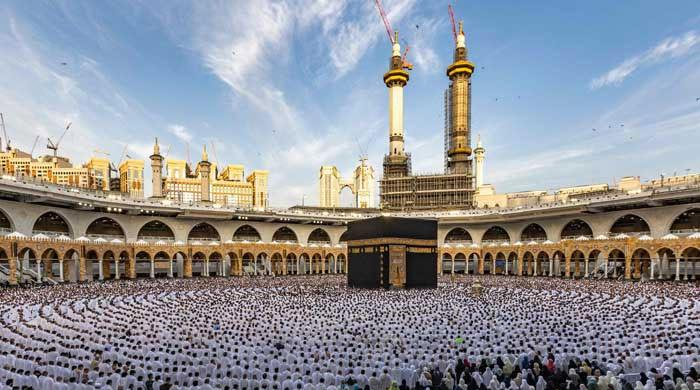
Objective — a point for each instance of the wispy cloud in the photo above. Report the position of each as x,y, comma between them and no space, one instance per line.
668,48
180,132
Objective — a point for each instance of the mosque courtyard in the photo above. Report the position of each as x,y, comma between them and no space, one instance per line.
311,332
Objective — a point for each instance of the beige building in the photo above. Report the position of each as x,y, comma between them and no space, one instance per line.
100,171
229,188
131,177
331,184
58,170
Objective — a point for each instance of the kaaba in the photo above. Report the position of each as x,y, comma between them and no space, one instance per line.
392,252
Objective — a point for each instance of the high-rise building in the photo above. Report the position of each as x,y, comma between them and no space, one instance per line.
131,177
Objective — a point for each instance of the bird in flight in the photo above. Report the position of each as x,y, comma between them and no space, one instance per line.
64,63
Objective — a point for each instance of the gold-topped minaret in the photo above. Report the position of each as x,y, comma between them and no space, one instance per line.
460,73
396,162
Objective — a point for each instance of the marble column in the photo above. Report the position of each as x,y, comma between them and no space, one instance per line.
101,271
153,269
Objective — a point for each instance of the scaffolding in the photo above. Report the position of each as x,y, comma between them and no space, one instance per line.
427,192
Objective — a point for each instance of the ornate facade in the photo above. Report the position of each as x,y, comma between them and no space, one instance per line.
331,184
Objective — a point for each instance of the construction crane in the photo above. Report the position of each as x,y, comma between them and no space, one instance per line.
99,151
452,19
393,37
405,64
389,31
4,133
34,146
54,146
112,168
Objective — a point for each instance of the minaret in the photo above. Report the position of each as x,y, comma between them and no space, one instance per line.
396,162
157,171
479,159
204,171
460,72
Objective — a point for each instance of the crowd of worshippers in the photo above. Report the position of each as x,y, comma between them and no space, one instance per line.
313,333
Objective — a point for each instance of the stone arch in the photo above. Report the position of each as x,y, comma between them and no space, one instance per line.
458,234
197,263
203,232
52,223
500,264
446,263
284,234
511,264
686,222
235,264
291,264
304,263
342,263
6,223
495,234
460,263
558,259
161,256
49,258
542,263
487,264
316,263
262,263
528,263
616,260
105,227
576,228
629,224
343,237
156,230
473,261
533,232
319,236
276,264
577,261
248,263
331,265
215,264
246,233
641,263
688,263
26,253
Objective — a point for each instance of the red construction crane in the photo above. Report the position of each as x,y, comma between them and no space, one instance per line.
452,19
405,64
389,31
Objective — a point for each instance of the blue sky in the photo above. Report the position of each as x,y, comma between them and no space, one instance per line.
290,85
